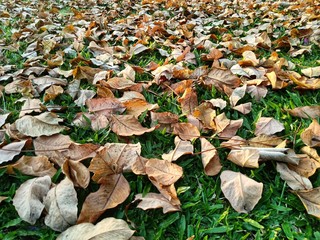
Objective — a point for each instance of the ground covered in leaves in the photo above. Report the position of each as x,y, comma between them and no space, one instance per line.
159,119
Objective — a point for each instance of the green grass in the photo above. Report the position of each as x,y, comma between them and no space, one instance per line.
205,213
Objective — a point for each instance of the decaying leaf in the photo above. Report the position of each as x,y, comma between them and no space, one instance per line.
155,200
306,112
45,124
245,157
61,204
105,106
311,72
242,192
182,148
3,118
311,135
107,229
222,79
311,200
33,165
52,92
28,199
77,172
110,194
127,125
294,180
268,126
307,166
186,131
210,158
9,151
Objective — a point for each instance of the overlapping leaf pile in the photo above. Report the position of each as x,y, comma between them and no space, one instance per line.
194,41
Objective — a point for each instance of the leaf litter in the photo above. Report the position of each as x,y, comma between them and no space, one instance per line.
56,65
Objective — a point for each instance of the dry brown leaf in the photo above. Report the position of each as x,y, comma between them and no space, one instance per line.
139,166
45,124
311,152
46,81
306,111
311,135
242,192
244,108
311,72
218,102
9,151
136,106
83,96
85,72
77,172
3,118
221,78
264,141
155,200
111,193
235,142
120,83
2,198
107,229
258,92
221,122
293,179
237,94
61,204
105,106
231,130
310,200
186,131
29,106
181,148
307,166
163,172
52,92
164,119
210,158
268,126
79,152
28,199
33,165
304,82
188,101
127,125
244,157
206,114
169,192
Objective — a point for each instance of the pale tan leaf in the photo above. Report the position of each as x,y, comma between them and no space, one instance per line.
286,155
46,81
77,172
221,122
188,101
311,135
28,199
9,151
52,93
61,204
186,131
107,229
244,108
127,125
311,72
111,193
218,102
268,126
235,142
155,200
307,166
244,157
206,114
237,94
264,141
242,192
181,148
33,165
221,78
310,200
128,73
83,96
311,152
3,118
139,166
306,111
258,92
105,106
30,105
169,192
79,152
293,179
2,198
120,83
210,158
136,107
163,172
45,124
231,130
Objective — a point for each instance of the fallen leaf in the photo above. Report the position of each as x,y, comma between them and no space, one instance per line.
61,204
164,119
33,165
105,106
311,152
188,101
77,172
218,102
311,135
242,192
155,200
210,158
311,200
237,94
52,93
2,198
107,229
268,126
206,114
221,122
293,179
46,81
45,124
83,96
307,166
305,112
311,72
264,141
181,148
186,131
231,129
3,118
244,157
244,108
163,172
136,107
111,193
9,151
258,92
28,199
30,105
304,82
127,125
120,83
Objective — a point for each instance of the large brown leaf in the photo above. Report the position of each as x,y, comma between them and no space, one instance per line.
107,229
127,125
221,78
9,151
77,172
242,192
111,193
182,148
210,158
28,199
105,106
311,200
311,135
306,111
268,126
61,204
186,131
244,157
188,101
